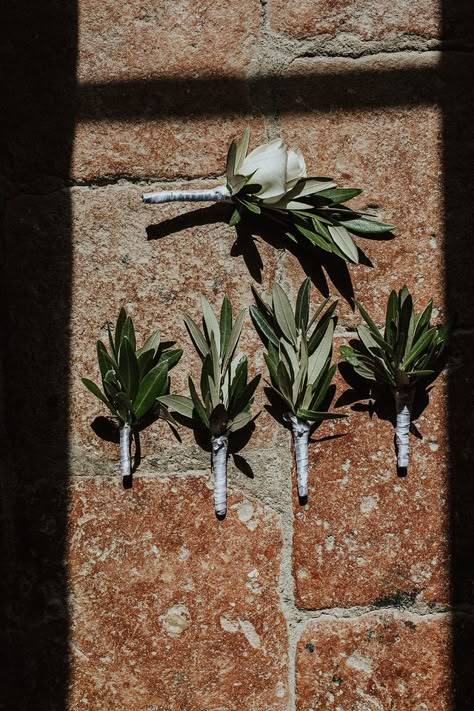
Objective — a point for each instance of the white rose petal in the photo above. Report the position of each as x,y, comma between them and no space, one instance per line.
295,168
268,164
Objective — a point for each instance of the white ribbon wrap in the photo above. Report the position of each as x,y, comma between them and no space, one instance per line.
219,194
125,465
301,430
403,403
219,470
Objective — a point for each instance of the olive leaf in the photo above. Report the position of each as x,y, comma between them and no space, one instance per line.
133,380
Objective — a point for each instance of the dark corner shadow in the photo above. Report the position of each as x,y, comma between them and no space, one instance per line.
38,46
456,71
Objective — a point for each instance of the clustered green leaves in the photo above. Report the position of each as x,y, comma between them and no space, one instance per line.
312,209
409,349
133,380
226,394
299,350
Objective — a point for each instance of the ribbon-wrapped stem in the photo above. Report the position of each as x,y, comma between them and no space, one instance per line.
404,405
218,194
219,469
301,430
125,462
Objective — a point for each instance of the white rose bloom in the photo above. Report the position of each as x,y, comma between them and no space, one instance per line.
268,165
295,168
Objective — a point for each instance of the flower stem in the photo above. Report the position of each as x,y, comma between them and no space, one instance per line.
301,430
125,463
404,404
219,469
218,194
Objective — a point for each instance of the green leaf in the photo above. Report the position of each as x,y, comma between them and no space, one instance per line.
230,162
233,339
338,195
321,387
225,324
318,311
198,406
95,390
145,363
210,322
284,383
302,305
313,236
122,317
284,313
128,332
197,337
318,359
178,403
344,241
171,358
262,326
313,415
128,367
251,206
239,381
235,217
321,327
423,320
150,388
151,344
391,318
105,361
367,318
243,398
366,225
272,366
213,392
421,345
242,148
240,420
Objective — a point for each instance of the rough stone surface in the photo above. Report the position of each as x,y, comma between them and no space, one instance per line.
153,99
379,661
367,536
365,18
394,155
172,609
190,252
168,40
193,146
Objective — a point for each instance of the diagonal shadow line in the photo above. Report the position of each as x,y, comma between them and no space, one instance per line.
365,87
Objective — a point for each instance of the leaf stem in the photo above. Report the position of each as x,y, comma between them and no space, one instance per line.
217,194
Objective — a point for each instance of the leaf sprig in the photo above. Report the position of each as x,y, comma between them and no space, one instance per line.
310,207
299,350
226,393
409,349
133,380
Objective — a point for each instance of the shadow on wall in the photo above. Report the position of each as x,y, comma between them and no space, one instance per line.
39,45
458,145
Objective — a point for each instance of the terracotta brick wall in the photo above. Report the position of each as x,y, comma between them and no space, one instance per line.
345,603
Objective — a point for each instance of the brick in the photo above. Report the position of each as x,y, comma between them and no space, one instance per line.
365,535
364,18
168,604
155,97
113,265
378,661
394,154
